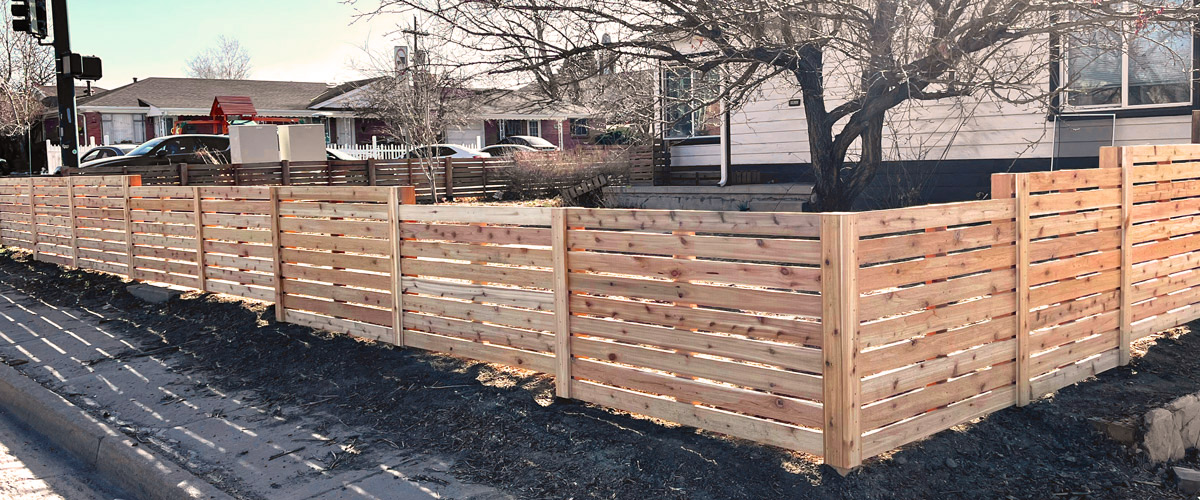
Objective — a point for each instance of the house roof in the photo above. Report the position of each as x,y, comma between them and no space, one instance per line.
345,88
520,103
197,93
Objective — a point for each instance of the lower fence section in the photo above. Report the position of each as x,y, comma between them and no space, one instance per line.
843,335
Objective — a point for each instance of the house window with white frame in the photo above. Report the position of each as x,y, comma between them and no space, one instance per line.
535,128
690,107
123,128
1142,66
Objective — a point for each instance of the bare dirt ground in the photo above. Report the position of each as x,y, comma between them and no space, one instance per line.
505,429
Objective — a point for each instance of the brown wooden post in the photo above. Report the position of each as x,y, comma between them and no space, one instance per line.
395,199
448,192
372,176
127,183
277,255
198,214
183,174
71,215
562,302
33,226
408,195
839,303
285,172
1195,127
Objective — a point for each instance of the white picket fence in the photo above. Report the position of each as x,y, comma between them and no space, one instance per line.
379,151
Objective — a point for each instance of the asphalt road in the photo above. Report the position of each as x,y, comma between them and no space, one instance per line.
31,468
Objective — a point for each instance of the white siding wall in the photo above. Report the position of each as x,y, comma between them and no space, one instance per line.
768,131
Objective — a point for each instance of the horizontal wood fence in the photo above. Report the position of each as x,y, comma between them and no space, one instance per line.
450,176
843,335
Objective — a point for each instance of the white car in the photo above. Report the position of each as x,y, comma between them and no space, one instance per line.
445,151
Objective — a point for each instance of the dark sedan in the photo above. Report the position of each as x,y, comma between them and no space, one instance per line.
190,148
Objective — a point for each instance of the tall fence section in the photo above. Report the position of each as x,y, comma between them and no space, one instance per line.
843,335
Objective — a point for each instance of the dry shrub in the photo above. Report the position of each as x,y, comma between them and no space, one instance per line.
543,174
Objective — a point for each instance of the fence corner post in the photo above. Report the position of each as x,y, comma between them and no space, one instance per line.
372,174
842,399
183,174
562,302
285,172
395,199
277,255
1121,160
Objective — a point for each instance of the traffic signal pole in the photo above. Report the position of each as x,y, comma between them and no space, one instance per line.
68,129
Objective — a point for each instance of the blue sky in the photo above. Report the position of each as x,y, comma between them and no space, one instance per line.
302,40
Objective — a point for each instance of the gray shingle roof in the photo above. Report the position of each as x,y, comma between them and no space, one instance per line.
196,93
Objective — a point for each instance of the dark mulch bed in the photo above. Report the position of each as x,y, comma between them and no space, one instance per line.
505,429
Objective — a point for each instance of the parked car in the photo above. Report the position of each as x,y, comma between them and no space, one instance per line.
528,140
507,150
335,155
170,149
101,152
444,151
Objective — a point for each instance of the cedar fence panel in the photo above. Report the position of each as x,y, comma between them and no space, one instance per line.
843,335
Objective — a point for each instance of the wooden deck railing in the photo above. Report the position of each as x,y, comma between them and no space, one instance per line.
843,335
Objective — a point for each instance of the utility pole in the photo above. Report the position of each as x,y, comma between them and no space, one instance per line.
68,135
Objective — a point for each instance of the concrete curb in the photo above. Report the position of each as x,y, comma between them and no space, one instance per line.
128,465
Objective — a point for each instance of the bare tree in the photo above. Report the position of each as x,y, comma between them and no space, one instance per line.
24,66
228,60
850,62
418,105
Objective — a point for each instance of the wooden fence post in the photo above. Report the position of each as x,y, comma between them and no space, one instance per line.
183,174
394,202
372,176
71,215
839,303
285,169
277,255
126,183
1126,316
1023,235
1016,187
448,192
199,217
562,302
33,226
1195,127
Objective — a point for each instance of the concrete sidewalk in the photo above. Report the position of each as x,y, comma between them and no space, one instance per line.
33,469
222,438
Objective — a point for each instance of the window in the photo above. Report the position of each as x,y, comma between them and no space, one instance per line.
690,105
535,128
123,128
509,128
579,127
1142,66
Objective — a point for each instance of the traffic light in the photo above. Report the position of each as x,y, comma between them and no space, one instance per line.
40,19
29,16
21,20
